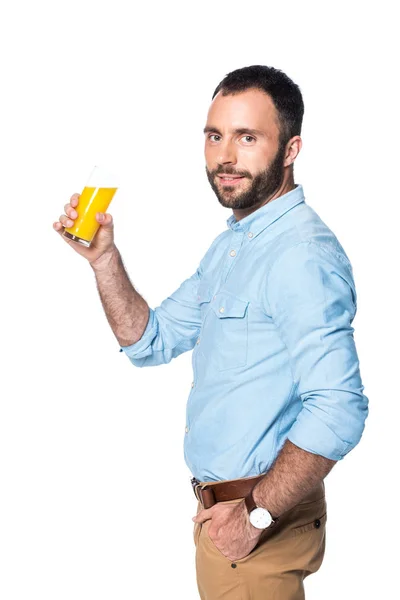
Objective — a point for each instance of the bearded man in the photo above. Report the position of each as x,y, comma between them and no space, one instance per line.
276,398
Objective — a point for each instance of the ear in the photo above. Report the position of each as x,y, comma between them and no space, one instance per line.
293,148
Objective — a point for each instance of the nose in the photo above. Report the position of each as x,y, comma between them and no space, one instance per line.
226,153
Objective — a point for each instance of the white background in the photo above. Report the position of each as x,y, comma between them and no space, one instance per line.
95,497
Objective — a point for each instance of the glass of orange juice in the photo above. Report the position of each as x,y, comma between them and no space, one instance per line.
95,197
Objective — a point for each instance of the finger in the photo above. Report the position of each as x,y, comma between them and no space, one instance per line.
70,211
203,515
58,226
66,221
105,219
74,199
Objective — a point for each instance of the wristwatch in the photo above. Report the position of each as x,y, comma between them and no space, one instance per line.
259,517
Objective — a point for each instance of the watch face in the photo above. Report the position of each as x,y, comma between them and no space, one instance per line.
260,518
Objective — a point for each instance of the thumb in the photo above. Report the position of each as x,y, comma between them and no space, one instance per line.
203,515
105,219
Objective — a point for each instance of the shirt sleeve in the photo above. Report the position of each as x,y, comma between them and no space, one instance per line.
312,299
172,327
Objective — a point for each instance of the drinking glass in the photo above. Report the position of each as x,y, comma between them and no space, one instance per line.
95,197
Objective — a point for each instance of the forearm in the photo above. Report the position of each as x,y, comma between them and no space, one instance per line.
294,473
126,311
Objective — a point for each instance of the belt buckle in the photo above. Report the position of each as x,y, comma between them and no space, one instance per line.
196,486
198,489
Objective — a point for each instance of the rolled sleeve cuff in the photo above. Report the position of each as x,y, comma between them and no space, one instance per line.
313,435
142,347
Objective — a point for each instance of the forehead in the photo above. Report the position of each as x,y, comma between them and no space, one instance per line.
253,109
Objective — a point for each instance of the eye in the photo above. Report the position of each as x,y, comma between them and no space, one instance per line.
213,135
248,138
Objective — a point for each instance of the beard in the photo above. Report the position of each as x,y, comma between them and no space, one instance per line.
264,184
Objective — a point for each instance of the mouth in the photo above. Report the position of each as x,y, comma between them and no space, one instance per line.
229,179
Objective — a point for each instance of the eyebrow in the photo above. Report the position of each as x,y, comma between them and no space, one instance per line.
238,131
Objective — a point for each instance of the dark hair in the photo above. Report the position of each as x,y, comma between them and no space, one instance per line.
285,94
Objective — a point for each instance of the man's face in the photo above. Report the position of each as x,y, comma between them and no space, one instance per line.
242,140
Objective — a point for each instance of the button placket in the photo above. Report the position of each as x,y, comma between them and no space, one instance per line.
233,252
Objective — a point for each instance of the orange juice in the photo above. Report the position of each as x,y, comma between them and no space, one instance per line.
91,201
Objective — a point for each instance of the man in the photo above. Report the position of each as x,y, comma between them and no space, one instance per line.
277,397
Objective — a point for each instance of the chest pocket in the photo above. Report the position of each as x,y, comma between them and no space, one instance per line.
230,317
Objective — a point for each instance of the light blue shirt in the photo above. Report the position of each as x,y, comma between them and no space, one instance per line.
268,315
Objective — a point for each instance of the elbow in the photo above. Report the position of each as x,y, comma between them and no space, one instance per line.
354,423
140,351
138,362
330,425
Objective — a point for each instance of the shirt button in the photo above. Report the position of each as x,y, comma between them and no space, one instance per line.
192,383
187,429
232,253
221,310
250,235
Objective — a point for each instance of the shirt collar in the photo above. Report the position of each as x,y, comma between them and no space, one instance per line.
261,218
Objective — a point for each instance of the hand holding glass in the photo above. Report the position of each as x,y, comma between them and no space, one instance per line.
95,197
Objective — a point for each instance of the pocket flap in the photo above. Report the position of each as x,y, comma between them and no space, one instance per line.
226,305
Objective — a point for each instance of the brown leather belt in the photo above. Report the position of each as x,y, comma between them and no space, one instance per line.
220,491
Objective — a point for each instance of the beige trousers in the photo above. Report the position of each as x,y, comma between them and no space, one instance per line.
276,567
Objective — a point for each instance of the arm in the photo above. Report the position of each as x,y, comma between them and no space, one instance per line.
126,311
148,336
294,473
174,326
311,297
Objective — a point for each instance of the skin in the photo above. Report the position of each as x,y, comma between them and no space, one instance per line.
126,310
267,168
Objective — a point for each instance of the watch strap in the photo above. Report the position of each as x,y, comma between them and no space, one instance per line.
251,505
249,502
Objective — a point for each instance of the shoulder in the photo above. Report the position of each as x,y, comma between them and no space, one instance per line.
309,271
309,250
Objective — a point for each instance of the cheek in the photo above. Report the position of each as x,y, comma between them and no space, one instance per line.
253,158
211,154
255,161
